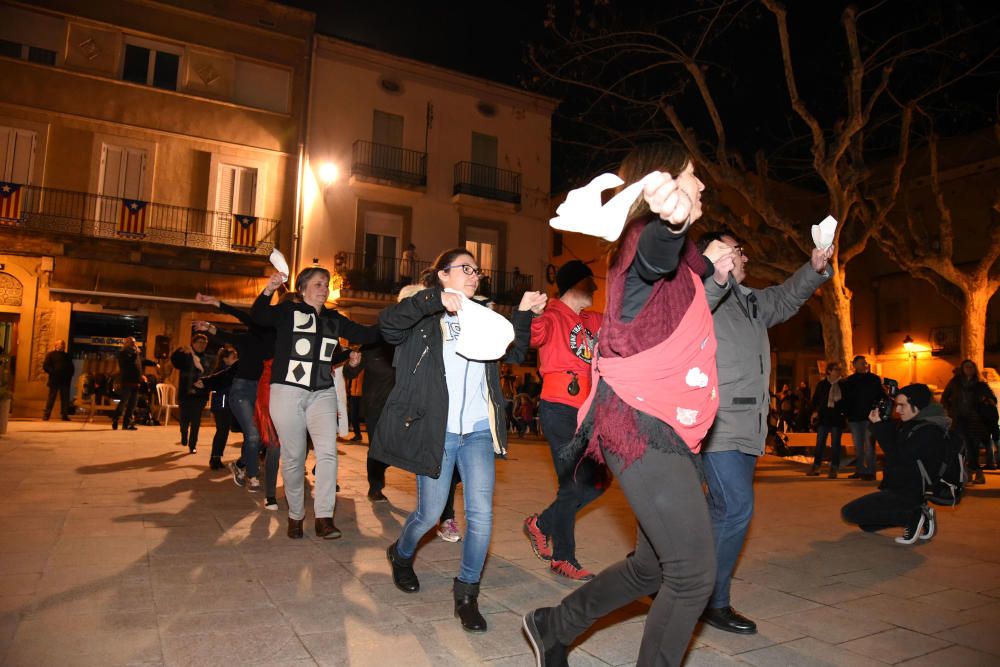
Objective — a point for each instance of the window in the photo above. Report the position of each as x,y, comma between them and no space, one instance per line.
483,244
123,171
387,129
17,154
261,86
484,149
33,54
237,191
151,64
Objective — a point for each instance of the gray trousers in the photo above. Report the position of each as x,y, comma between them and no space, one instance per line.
296,412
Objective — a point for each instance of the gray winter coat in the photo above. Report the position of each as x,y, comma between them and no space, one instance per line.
742,318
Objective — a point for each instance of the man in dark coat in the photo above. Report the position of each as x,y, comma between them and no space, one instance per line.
59,366
861,390
192,362
129,378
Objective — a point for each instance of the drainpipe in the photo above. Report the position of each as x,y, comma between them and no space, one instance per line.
300,175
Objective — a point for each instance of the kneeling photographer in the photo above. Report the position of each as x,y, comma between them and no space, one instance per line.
916,438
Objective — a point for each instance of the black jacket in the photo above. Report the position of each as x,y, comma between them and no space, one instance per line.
376,363
59,366
904,443
860,390
128,366
306,340
827,416
184,363
411,430
219,382
255,346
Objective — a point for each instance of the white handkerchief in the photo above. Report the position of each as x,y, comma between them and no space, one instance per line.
485,334
279,263
582,211
823,232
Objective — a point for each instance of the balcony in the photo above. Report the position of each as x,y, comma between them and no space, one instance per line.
390,165
51,211
480,180
380,275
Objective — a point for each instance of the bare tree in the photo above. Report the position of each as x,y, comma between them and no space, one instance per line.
926,249
636,70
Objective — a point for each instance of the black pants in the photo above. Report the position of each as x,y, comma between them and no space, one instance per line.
354,415
449,507
223,424
128,395
65,407
376,469
191,409
577,481
882,509
272,461
674,557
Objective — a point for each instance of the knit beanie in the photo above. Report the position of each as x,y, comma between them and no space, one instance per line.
919,395
570,274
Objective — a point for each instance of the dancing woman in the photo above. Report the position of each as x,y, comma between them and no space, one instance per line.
653,398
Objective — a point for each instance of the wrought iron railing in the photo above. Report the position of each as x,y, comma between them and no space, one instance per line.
370,273
48,210
489,182
389,163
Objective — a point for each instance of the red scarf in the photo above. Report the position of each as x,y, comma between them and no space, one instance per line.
676,380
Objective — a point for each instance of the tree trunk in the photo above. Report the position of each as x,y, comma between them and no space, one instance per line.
974,325
838,336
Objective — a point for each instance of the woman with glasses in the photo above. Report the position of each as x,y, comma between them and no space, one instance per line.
445,412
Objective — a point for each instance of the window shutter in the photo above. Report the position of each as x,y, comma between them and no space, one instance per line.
227,184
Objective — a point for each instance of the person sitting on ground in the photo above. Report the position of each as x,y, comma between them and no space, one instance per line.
916,440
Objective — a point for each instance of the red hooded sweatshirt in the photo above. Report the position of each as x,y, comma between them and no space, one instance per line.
565,342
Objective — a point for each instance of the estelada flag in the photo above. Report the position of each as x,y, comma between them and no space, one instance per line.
10,202
244,232
132,218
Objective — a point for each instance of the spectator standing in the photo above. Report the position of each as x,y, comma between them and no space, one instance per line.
58,365
129,379
966,399
861,390
828,408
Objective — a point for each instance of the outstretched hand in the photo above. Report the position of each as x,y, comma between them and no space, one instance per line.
533,301
821,258
276,281
206,299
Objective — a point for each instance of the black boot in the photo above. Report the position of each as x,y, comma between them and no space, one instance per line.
402,571
467,606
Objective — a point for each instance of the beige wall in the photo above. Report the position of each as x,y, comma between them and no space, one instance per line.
345,94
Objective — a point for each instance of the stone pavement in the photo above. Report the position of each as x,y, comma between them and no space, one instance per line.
119,548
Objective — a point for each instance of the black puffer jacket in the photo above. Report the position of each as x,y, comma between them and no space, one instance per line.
411,430
904,443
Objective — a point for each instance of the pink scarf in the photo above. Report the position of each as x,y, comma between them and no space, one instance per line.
675,381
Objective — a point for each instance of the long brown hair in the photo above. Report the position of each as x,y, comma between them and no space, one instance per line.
429,277
665,156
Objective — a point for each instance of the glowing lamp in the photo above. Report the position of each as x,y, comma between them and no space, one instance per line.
909,345
328,173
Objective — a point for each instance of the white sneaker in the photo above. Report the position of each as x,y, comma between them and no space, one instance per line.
930,527
448,531
253,484
912,532
271,503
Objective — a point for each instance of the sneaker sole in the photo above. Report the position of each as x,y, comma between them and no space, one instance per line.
566,576
450,538
271,508
529,624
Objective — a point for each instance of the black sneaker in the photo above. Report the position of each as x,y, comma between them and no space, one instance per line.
912,531
239,475
548,651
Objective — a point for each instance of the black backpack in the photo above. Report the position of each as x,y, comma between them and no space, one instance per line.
945,485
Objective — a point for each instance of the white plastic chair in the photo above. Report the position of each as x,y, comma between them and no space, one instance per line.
166,394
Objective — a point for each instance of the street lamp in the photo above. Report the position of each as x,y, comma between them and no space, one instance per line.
911,350
328,173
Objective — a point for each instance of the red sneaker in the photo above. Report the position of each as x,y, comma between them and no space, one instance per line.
571,570
539,541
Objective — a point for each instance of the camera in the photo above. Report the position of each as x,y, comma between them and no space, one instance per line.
884,404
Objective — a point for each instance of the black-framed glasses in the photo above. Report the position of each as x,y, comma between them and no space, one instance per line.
467,269
739,249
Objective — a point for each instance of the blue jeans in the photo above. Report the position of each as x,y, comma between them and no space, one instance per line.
821,433
473,454
864,447
242,399
730,504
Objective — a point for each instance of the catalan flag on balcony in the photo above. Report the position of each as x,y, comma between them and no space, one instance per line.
132,218
244,232
10,203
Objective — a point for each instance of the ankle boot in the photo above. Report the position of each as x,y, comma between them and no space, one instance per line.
295,528
402,571
467,606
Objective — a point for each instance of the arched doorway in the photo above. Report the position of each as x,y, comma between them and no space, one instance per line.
11,295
